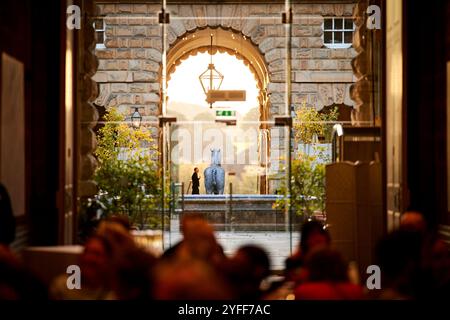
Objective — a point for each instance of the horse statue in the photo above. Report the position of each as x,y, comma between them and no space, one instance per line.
214,174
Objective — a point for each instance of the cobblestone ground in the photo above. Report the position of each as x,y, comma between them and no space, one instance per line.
277,244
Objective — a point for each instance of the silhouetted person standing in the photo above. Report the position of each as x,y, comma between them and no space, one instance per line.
195,182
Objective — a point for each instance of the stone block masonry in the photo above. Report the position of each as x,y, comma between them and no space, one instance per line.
130,64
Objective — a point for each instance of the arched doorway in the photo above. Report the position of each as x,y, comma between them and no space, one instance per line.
245,146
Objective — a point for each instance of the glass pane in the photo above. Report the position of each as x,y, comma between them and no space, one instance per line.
159,68
98,24
337,37
348,36
328,37
100,36
348,24
228,134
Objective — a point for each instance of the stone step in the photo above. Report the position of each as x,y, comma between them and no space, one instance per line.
241,212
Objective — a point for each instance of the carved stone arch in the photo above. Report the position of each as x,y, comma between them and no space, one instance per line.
224,40
236,43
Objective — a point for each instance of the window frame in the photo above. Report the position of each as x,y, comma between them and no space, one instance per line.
342,45
100,46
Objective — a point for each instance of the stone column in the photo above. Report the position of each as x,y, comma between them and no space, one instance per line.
364,67
87,92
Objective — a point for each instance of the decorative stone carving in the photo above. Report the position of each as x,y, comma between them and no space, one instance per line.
326,94
88,64
338,93
361,91
186,11
177,27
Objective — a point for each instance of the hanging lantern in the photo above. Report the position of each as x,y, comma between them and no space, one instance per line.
136,119
211,79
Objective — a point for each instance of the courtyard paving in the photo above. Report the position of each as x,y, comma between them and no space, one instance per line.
277,244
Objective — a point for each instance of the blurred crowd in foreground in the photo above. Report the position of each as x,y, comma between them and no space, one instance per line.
414,264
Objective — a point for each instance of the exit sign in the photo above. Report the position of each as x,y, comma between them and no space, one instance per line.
226,116
225,113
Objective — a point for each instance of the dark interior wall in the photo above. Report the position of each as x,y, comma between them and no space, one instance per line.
30,31
446,218
426,35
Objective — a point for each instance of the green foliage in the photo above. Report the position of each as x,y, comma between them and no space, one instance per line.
308,171
307,185
310,123
128,175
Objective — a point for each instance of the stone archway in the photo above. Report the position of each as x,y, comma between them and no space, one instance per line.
236,44
130,59
225,40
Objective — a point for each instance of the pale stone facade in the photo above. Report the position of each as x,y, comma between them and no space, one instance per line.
130,64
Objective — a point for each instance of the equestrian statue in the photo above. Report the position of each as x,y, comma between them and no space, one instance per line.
214,174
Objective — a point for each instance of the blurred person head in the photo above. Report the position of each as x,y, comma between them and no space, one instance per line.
121,219
439,266
117,235
326,278
313,235
413,221
16,282
102,250
436,258
254,259
189,221
325,264
101,265
9,266
399,256
246,269
198,238
434,272
116,228
133,275
188,280
95,262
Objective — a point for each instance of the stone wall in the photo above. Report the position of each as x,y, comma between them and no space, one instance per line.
87,114
129,65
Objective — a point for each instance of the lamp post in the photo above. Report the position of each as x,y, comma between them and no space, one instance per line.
136,118
211,79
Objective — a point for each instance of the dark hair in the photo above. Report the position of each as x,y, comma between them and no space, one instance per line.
122,220
7,220
134,274
196,168
326,265
308,228
106,243
257,257
399,251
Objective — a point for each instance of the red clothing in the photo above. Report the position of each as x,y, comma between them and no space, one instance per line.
328,291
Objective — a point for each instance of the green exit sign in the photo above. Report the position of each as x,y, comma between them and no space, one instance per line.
225,113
